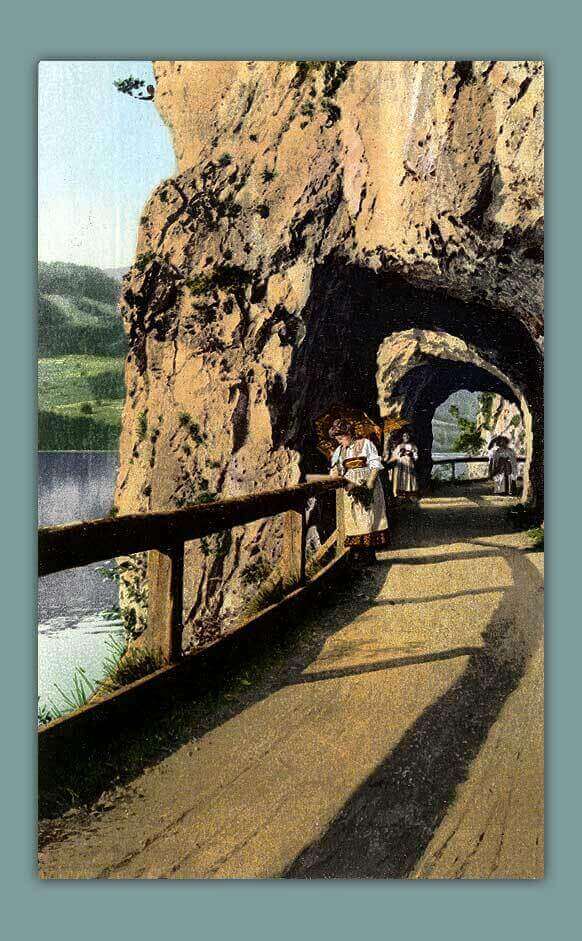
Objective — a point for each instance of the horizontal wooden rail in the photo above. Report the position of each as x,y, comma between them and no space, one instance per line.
479,459
77,544
91,728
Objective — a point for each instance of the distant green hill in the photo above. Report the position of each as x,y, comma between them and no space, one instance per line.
81,349
77,311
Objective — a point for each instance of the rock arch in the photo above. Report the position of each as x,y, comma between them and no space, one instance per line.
374,340
419,369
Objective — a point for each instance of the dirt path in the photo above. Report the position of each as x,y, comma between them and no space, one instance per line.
402,739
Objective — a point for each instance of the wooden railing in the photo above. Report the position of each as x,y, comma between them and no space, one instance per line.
163,535
470,459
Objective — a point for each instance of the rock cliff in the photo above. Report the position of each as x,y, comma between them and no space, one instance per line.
319,208
497,416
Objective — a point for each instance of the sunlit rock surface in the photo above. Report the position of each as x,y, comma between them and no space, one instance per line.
318,208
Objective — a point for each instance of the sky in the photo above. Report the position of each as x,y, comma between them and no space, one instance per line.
100,155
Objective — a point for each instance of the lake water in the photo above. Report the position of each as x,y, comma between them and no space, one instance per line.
74,485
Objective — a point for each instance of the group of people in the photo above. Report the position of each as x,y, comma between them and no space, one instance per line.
357,460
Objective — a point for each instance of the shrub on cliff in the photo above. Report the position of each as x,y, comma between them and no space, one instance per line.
469,440
131,86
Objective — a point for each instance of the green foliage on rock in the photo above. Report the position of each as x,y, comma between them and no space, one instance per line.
199,284
306,69
124,666
334,74
486,406
256,572
537,536
469,439
331,109
143,260
142,426
226,277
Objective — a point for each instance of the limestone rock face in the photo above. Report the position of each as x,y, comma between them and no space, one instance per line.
317,209
500,417
497,416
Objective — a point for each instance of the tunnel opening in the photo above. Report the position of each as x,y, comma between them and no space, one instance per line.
466,425
447,423
376,342
437,366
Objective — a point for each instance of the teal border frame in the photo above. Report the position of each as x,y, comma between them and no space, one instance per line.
300,29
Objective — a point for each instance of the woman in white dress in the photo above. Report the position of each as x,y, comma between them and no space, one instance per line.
403,463
357,459
502,466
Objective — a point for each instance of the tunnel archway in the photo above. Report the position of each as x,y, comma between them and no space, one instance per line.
352,312
466,423
417,372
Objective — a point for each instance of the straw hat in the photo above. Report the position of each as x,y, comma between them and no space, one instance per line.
363,427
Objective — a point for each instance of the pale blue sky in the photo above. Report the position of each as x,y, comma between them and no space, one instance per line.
100,154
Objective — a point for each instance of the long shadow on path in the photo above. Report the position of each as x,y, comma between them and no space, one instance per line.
385,828
388,822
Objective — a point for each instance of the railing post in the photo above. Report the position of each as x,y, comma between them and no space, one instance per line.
294,536
340,521
165,601
453,474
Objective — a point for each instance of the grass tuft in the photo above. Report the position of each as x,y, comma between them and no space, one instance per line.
123,667
536,534
75,697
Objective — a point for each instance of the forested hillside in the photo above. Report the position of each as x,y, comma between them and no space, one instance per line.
81,349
